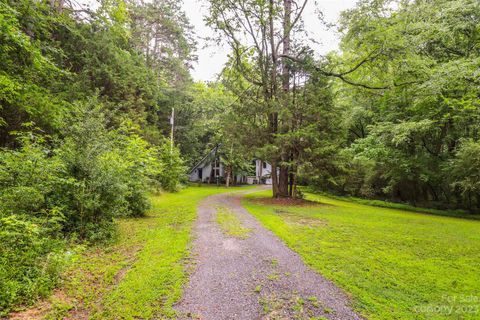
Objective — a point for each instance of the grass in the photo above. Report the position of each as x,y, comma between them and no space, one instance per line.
459,213
276,305
395,264
141,275
231,224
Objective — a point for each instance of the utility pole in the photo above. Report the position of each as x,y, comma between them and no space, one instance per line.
172,122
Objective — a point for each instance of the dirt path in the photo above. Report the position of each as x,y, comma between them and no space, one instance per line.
253,278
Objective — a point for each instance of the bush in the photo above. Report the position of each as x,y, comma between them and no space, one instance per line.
21,199
30,262
464,171
31,251
172,171
74,187
139,165
28,176
110,171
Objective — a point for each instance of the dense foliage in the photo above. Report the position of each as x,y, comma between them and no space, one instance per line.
83,115
393,115
413,134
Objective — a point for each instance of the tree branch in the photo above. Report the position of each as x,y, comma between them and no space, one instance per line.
342,77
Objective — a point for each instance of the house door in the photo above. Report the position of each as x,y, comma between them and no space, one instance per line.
200,173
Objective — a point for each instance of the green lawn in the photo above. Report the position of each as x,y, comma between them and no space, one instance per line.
395,264
141,275
231,224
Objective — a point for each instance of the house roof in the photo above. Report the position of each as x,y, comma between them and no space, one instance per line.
214,149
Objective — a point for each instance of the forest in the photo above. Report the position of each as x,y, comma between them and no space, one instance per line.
86,94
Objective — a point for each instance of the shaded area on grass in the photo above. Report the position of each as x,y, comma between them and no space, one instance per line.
293,218
286,202
459,213
396,264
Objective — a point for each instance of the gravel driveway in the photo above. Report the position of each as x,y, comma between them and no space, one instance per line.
254,278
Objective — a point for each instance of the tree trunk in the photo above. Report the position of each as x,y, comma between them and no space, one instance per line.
272,95
283,174
295,193
274,179
283,182
287,4
260,174
228,171
290,190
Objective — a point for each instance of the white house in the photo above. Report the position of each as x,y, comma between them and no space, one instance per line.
263,171
210,169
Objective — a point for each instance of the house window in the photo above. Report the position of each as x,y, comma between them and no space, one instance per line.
264,165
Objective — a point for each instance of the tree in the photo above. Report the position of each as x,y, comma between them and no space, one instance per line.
163,33
260,36
415,100
82,121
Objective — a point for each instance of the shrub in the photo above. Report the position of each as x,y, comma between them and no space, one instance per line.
56,189
110,171
464,171
93,193
28,176
172,171
21,199
30,262
139,164
31,253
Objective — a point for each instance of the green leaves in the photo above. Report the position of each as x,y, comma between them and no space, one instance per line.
82,118
465,168
408,132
